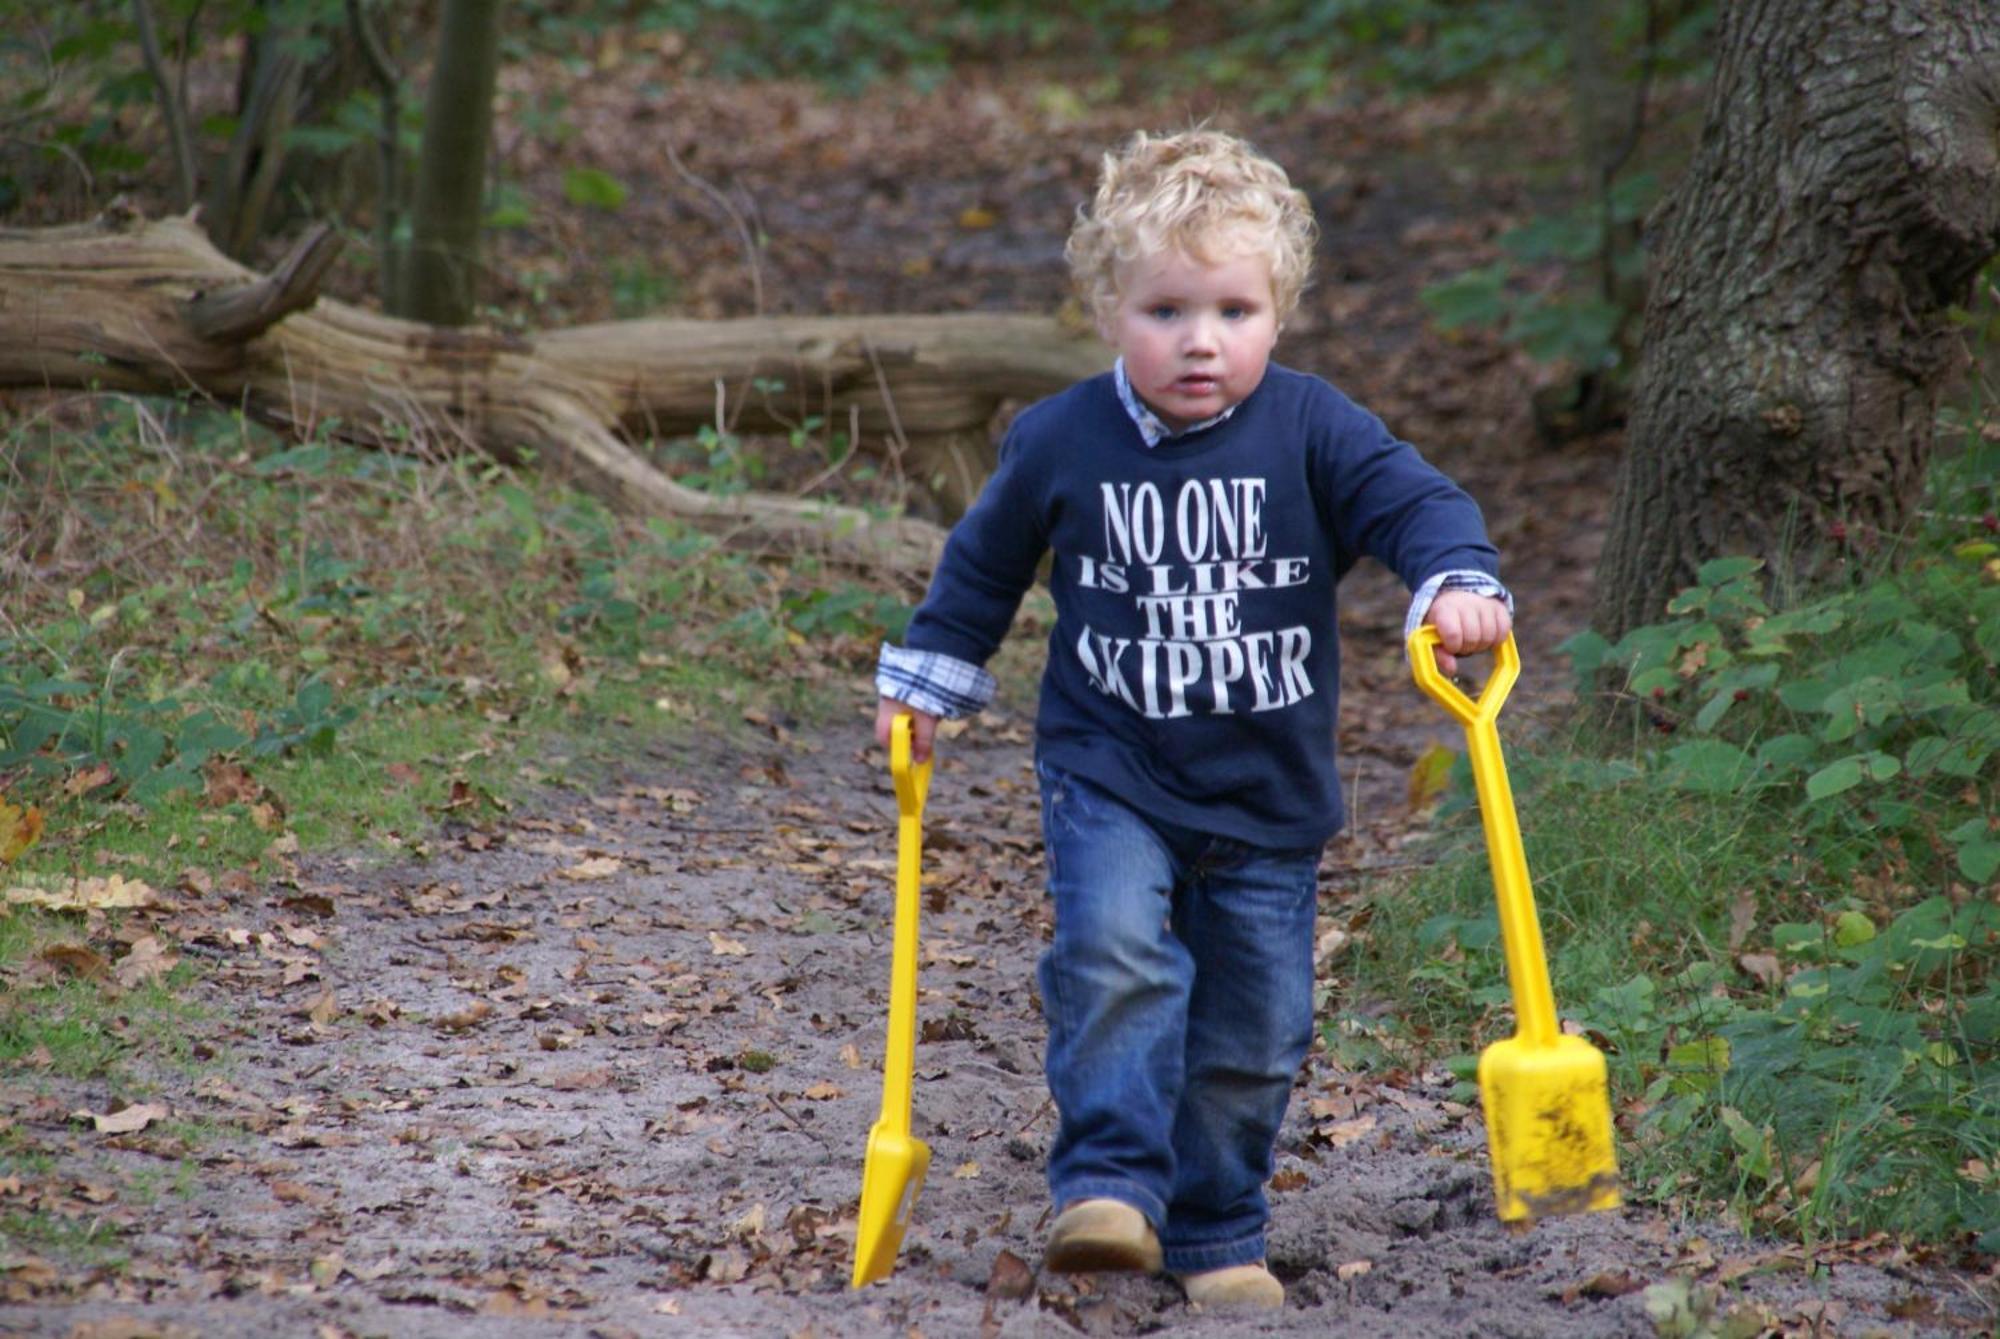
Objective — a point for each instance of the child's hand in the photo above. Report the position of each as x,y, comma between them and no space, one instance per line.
1467,623
923,726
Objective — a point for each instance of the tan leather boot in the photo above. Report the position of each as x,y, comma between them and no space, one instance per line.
1235,1286
1101,1236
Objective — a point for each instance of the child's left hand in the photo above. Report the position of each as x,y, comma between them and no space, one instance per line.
1467,623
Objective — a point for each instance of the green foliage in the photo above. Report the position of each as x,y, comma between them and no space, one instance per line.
1572,322
1773,899
851,45
329,604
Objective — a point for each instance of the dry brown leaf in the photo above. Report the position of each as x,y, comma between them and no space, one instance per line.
966,1171
1011,1279
1763,966
823,1091
82,894
229,783
597,867
148,959
126,1120
1341,1133
850,1055
77,959
471,1016
20,828
726,947
1353,1269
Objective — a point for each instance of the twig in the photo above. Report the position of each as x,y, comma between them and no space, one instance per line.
779,1107
735,217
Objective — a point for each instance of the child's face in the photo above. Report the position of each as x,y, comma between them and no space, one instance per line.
1196,335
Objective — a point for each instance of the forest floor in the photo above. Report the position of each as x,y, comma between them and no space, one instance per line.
606,1064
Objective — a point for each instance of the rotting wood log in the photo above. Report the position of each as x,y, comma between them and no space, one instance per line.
150,307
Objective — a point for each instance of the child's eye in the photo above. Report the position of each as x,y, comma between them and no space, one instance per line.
1163,311
1234,311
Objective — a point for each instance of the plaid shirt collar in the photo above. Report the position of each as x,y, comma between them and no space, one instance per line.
1152,430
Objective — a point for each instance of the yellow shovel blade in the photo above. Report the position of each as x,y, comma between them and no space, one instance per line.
1548,1127
890,1180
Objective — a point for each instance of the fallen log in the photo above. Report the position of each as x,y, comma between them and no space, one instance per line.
150,307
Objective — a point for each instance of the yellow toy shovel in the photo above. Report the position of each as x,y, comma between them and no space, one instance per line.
1548,1105
897,1160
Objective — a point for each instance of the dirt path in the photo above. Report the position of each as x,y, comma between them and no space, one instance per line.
608,1069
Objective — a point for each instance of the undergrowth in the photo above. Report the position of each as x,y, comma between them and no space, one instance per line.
220,649
1769,890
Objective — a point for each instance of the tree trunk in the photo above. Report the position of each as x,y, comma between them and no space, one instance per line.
152,308
1845,193
246,180
440,275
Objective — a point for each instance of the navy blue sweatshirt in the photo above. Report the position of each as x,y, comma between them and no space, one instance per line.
1194,669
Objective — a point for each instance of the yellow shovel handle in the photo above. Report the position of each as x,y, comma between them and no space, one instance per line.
1520,928
913,783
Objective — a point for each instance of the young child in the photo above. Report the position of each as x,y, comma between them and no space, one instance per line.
1201,503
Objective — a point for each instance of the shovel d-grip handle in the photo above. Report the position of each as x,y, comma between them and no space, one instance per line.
1520,928
913,783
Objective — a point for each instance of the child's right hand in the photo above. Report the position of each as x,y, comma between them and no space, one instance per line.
923,726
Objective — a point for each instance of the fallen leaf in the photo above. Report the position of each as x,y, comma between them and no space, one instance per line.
1763,966
726,947
77,959
471,1016
325,1009
83,894
1292,1178
20,828
823,1091
1353,1269
147,960
1429,775
1011,1279
1341,1133
850,1055
751,1224
126,1120
966,1171
228,783
597,867
1607,1284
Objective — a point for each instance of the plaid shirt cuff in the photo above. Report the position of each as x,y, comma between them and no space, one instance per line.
1477,583
933,682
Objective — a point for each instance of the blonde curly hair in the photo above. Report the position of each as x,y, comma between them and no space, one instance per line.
1203,192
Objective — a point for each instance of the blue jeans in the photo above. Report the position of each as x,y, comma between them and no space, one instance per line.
1178,993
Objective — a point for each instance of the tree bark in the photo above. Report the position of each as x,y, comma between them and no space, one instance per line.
153,308
1845,194
440,275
